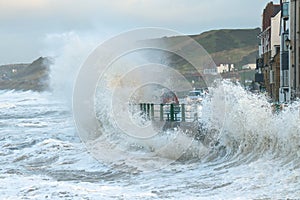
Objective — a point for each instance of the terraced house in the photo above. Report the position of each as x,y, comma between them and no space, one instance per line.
268,63
278,70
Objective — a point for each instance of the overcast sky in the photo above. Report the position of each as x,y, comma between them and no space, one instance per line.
25,24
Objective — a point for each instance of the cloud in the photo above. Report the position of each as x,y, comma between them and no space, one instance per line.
31,19
82,14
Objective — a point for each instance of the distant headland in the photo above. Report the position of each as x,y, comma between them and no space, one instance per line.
31,76
235,46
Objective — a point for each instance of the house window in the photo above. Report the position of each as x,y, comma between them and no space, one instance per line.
285,10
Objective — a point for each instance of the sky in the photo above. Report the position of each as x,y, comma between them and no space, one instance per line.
25,25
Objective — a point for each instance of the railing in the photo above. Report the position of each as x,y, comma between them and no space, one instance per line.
169,112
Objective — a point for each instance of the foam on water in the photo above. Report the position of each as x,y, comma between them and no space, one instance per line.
243,150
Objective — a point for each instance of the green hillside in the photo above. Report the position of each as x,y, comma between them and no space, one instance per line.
228,39
228,46
236,46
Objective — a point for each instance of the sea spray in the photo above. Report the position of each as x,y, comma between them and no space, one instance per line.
50,162
69,51
250,128
236,126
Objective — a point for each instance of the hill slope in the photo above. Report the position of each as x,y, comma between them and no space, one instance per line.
236,46
239,46
33,76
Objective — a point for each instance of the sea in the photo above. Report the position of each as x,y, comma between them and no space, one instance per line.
242,149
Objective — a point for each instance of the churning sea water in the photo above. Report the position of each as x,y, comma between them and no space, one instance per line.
247,153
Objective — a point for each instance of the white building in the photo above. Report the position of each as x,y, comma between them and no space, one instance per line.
275,34
251,66
222,68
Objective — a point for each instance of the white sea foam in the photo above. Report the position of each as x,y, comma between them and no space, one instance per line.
252,153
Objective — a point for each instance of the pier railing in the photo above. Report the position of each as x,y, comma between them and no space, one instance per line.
169,112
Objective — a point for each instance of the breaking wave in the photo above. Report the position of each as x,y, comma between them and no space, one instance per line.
236,127
251,128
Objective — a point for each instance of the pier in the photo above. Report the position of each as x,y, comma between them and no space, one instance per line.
169,112
170,116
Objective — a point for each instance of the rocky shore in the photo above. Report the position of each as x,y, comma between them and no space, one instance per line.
33,76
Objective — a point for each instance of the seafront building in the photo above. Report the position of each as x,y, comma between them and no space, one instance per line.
277,67
268,63
292,7
285,90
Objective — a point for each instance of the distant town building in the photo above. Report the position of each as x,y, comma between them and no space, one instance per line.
223,68
249,66
212,71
